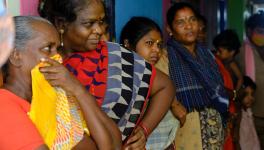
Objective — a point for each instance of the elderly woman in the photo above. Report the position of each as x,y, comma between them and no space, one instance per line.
121,81
36,39
199,84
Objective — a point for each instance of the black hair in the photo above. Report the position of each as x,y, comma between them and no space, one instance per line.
229,40
175,8
255,20
136,28
66,9
248,82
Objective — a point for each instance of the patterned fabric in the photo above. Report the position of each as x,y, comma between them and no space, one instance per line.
211,129
129,79
164,134
198,81
58,119
90,68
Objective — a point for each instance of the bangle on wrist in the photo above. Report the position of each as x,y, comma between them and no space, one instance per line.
145,129
234,95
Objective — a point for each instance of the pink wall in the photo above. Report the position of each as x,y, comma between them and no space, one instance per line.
29,7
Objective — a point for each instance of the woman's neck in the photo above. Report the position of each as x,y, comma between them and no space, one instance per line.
19,86
191,49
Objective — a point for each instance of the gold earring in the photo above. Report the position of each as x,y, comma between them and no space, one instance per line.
61,37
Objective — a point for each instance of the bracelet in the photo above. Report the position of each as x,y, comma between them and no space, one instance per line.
234,95
145,130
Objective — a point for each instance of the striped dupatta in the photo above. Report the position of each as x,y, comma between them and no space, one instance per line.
124,78
198,81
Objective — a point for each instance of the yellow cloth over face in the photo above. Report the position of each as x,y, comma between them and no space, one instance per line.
58,118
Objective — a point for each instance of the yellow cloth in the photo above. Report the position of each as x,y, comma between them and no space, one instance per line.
189,136
58,119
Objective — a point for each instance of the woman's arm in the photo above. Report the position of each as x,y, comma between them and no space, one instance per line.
103,130
234,67
179,111
162,94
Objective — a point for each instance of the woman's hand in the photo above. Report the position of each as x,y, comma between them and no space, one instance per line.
137,140
179,111
103,131
57,75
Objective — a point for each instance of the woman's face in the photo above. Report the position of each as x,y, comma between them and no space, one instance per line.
43,45
150,46
85,32
257,37
185,26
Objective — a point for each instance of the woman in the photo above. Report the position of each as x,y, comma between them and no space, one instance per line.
144,36
17,128
199,85
121,81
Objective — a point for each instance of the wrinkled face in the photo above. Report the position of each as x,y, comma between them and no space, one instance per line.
150,46
85,32
185,26
249,97
43,45
224,54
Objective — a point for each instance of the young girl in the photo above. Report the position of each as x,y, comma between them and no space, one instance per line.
248,138
143,36
227,45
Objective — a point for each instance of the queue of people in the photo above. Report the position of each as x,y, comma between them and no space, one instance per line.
65,86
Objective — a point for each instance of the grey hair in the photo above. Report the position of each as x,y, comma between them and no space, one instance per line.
23,29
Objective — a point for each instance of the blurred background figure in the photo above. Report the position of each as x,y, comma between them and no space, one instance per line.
247,136
6,37
202,32
227,46
251,60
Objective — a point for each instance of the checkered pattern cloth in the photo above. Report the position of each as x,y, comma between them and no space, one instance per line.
164,134
198,81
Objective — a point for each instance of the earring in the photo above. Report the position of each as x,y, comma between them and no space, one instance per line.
61,37
170,34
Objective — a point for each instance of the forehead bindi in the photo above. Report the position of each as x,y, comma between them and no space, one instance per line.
184,13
